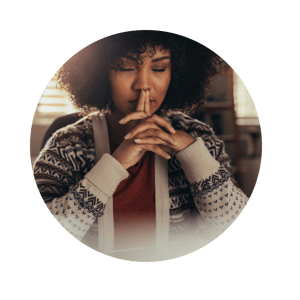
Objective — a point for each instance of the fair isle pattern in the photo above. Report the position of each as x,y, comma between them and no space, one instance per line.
220,208
211,191
181,202
59,172
71,215
75,144
88,201
180,190
211,183
70,154
62,164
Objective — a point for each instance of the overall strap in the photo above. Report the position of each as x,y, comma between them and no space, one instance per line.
101,137
162,208
162,201
106,222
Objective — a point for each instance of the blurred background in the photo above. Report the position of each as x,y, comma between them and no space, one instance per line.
229,110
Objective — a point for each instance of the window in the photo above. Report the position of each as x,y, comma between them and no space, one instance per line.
244,106
53,103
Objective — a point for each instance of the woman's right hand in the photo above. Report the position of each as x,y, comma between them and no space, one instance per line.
129,152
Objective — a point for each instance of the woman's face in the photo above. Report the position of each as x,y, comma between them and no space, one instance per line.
127,82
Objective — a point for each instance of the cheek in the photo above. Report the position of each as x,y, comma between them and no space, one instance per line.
118,88
161,91
163,85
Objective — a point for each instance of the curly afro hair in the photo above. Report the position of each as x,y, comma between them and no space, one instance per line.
85,75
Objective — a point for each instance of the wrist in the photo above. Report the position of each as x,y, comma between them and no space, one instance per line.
116,156
183,139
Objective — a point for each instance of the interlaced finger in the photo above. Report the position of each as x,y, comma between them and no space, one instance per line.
137,115
156,149
155,133
141,128
153,141
157,121
161,122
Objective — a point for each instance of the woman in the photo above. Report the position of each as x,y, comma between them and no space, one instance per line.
141,175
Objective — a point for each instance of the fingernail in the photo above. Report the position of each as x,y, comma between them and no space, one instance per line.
173,130
168,157
138,140
121,121
127,136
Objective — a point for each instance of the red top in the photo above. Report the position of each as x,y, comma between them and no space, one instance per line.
134,205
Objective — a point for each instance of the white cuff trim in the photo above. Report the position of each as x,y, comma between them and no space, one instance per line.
197,162
107,174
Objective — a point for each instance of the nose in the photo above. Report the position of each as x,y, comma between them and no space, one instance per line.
142,80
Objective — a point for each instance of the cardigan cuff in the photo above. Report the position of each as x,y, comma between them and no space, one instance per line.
107,174
197,162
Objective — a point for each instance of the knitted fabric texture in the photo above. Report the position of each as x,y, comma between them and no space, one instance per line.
202,195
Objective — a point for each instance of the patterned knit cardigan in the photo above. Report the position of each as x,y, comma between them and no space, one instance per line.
76,187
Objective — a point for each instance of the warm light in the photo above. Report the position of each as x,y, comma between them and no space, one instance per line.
244,105
53,103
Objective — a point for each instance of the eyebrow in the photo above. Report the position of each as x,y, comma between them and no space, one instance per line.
153,60
160,58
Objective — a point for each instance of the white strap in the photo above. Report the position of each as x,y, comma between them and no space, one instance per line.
162,205
162,208
106,222
101,137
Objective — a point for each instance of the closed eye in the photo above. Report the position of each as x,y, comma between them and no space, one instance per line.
159,70
124,69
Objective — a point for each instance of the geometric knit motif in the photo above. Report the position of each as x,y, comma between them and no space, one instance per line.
223,201
71,215
182,193
64,161
211,183
70,154
210,192
92,203
220,208
67,157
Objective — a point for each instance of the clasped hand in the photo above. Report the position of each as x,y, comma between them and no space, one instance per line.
153,133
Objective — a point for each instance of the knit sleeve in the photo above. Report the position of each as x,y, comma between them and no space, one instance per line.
208,171
74,188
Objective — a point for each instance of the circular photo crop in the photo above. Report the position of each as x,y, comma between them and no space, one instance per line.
145,146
